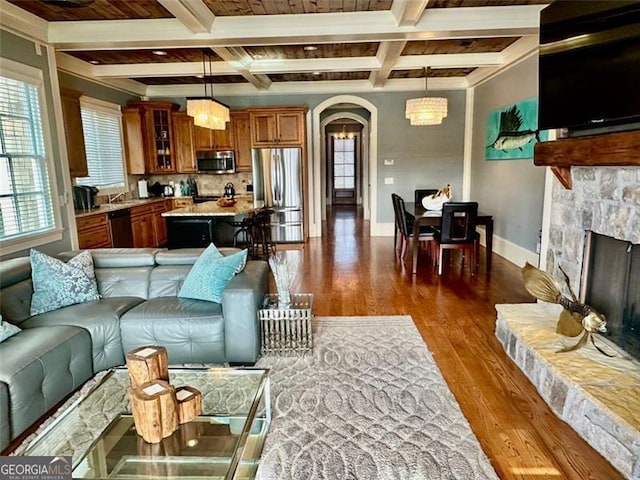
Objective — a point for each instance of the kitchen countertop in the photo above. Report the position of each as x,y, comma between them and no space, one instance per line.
110,207
244,204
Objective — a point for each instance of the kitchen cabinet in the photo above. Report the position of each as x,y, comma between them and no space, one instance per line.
142,226
277,127
184,136
133,141
207,139
73,133
159,223
94,231
241,122
156,136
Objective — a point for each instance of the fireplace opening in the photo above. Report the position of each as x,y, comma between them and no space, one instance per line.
611,285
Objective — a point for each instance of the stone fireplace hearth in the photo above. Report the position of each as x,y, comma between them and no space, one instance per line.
599,397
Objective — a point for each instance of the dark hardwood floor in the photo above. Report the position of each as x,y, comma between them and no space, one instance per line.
351,273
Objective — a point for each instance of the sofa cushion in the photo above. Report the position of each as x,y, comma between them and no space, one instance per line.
192,331
100,319
188,256
118,257
7,329
211,273
167,280
40,367
5,425
57,284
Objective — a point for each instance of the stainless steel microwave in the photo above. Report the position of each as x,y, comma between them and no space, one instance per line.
209,161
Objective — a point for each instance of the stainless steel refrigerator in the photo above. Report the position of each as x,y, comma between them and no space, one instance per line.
277,184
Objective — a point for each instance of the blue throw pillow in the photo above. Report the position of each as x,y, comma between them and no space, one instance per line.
57,284
211,273
7,330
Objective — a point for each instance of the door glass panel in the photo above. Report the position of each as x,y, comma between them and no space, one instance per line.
344,161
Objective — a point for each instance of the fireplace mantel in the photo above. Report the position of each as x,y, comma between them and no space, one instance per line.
608,150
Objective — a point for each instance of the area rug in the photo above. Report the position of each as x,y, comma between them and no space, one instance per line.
368,403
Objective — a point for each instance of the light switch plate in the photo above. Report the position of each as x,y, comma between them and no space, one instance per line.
389,162
388,180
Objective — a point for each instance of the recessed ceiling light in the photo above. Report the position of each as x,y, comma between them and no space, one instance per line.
257,56
199,76
159,52
310,48
316,73
94,62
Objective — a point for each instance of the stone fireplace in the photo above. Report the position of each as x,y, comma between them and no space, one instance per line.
598,396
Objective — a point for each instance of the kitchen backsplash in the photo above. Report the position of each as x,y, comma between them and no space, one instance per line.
207,184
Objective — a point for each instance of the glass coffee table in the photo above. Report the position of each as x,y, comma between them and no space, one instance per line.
225,442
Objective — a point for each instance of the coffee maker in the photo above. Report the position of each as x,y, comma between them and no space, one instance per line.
84,197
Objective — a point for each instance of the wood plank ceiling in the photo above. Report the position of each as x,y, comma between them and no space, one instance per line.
164,47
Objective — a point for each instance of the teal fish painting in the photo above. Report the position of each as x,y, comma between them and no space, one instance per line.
512,131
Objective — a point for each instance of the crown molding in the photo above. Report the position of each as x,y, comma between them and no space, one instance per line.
334,87
27,25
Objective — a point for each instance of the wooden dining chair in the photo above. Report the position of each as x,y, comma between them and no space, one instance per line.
404,224
420,193
457,231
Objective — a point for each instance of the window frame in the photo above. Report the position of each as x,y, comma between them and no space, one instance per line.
109,108
34,76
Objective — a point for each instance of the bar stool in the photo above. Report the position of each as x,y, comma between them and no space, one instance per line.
262,243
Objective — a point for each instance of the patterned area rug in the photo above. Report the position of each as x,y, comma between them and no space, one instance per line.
368,403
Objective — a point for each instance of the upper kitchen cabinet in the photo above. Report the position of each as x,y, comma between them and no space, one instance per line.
133,141
184,136
241,122
73,133
276,127
207,139
157,135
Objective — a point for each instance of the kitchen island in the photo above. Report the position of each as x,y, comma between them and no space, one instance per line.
201,224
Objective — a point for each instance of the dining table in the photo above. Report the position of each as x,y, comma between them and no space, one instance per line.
433,218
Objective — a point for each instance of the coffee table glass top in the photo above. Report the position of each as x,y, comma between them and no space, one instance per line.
224,442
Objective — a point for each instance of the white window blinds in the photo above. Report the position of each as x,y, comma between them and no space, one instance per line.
101,126
25,198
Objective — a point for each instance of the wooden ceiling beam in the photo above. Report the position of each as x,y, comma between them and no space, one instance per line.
241,61
408,12
441,23
388,55
193,14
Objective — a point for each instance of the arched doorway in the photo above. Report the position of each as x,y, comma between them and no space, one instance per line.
339,117
317,173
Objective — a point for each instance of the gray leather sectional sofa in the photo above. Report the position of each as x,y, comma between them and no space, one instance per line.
57,351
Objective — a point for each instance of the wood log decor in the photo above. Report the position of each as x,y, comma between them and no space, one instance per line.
146,364
189,404
155,410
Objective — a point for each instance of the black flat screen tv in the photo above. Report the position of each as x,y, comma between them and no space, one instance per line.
589,65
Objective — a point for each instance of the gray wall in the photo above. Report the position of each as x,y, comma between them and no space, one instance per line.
511,190
23,51
95,90
428,156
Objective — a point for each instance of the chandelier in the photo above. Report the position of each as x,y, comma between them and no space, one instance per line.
426,110
207,112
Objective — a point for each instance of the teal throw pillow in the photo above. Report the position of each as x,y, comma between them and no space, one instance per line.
7,330
210,275
57,284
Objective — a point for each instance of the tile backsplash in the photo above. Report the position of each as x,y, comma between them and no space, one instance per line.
207,184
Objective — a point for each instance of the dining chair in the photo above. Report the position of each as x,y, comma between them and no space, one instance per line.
457,231
420,193
404,225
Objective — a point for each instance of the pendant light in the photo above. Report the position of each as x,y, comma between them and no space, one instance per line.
207,112
426,110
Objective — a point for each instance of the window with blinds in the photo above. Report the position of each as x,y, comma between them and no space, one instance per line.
102,129
25,197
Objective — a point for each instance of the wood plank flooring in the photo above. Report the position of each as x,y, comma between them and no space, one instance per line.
351,273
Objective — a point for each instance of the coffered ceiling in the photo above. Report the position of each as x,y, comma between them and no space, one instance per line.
164,47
